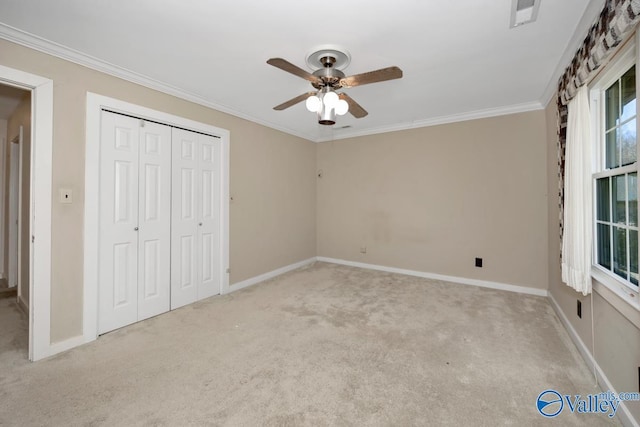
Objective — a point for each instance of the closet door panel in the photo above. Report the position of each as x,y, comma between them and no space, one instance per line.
209,218
118,248
154,234
184,223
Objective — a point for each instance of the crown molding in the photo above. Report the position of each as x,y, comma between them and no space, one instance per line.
580,32
40,44
453,118
57,50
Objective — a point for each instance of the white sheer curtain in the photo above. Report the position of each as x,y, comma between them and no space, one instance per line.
578,226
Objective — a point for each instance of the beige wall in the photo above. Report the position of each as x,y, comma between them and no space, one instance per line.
20,117
616,329
432,199
272,218
428,199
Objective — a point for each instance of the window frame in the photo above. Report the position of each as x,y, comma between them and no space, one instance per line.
612,72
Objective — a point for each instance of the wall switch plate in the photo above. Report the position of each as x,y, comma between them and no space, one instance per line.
66,195
363,249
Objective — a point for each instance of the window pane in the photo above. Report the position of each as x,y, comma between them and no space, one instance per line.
612,99
602,188
628,94
620,252
613,149
619,193
632,191
633,256
604,246
628,142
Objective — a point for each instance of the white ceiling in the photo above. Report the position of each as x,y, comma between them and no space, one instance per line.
460,58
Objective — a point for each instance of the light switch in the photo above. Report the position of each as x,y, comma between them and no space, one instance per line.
66,195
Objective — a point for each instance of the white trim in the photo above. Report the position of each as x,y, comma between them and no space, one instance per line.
40,218
453,118
13,255
269,275
624,416
95,104
460,280
68,344
605,278
624,59
20,222
51,48
617,295
3,154
22,304
589,16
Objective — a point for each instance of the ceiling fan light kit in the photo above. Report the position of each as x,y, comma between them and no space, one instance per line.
327,104
328,62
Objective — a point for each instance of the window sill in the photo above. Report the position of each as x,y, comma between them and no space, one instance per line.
620,296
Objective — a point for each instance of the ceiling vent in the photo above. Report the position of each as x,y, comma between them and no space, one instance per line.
523,12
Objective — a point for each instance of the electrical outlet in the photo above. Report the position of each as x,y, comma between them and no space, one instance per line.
363,249
479,262
579,308
66,195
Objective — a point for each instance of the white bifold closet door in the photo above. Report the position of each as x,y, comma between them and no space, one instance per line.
195,217
135,222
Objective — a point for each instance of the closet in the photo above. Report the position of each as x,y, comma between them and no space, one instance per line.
194,219
159,202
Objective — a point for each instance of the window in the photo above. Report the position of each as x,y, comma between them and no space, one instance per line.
616,173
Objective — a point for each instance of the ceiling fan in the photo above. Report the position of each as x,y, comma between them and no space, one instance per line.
328,78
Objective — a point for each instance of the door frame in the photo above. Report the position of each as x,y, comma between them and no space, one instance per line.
15,215
95,104
40,201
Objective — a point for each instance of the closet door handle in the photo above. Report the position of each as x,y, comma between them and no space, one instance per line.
200,224
135,229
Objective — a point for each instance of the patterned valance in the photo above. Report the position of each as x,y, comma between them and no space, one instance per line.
616,22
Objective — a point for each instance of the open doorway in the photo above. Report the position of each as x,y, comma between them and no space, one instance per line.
15,176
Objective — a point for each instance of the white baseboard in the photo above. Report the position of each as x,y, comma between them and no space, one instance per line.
23,305
269,275
623,414
461,280
68,344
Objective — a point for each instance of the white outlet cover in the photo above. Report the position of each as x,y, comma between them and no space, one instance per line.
66,195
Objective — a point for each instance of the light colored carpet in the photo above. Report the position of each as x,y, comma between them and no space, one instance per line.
322,345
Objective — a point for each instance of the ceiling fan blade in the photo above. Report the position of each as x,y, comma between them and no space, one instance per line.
287,66
293,101
355,109
389,73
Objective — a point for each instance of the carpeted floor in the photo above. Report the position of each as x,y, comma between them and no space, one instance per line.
322,345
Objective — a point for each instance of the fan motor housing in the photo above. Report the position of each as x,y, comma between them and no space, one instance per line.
330,77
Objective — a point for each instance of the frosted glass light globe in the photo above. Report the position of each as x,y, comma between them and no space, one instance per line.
342,107
330,99
313,104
